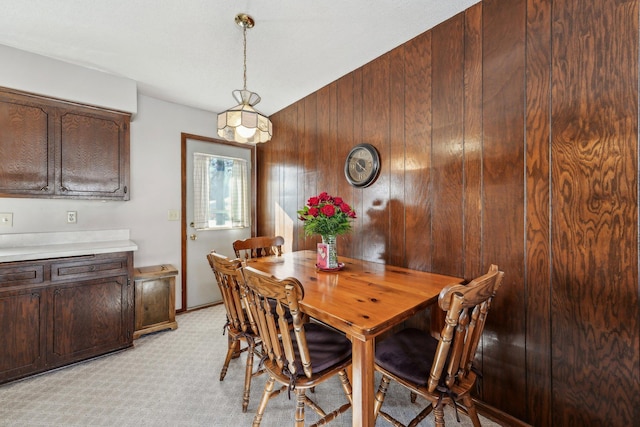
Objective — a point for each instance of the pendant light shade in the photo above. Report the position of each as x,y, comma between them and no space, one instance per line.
243,123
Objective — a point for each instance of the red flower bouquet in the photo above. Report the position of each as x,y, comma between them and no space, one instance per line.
326,215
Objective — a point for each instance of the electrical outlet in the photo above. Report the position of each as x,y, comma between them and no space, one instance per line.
72,217
6,220
173,215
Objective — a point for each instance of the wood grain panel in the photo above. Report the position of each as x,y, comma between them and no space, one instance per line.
25,148
266,195
375,125
288,165
357,194
303,153
472,219
326,156
594,227
85,165
344,142
417,146
310,142
538,256
503,365
396,252
447,145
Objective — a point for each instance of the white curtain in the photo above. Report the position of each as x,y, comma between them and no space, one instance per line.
201,164
238,193
231,182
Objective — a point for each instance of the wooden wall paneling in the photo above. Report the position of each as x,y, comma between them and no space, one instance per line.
503,349
538,251
472,139
288,166
550,171
325,149
356,197
310,142
265,185
375,125
345,141
396,252
447,102
304,151
594,303
417,146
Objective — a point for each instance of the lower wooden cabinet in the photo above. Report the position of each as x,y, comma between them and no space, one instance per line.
22,341
59,311
155,299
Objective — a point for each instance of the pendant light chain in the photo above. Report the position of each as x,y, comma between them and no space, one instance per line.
244,33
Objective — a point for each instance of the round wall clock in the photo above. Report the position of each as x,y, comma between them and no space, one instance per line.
362,165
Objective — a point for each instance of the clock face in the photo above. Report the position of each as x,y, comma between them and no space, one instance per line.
362,165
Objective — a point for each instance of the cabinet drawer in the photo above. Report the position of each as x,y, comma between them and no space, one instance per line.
95,266
20,274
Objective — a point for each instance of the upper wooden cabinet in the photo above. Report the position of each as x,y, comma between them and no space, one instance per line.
56,149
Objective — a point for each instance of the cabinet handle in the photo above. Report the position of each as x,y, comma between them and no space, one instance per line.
63,188
35,295
45,188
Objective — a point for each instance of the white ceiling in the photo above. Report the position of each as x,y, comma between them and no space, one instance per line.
190,51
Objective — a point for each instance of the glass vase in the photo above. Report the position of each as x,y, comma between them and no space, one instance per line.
332,255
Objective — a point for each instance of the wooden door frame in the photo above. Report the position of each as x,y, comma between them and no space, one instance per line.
183,203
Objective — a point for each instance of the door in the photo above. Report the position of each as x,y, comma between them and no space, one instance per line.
208,225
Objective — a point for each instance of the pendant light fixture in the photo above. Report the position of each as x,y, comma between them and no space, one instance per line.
243,123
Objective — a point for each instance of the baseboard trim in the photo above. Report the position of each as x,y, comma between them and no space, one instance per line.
497,415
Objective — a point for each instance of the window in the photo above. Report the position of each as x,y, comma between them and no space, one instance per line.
220,187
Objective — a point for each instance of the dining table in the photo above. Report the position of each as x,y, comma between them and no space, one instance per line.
361,298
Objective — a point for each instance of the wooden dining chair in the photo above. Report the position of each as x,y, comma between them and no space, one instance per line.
440,369
240,326
255,247
306,355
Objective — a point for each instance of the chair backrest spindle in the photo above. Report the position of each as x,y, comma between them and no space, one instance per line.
256,247
467,307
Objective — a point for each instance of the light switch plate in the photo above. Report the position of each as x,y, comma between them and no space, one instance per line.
173,215
6,219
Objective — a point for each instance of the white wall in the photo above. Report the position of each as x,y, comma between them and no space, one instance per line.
56,79
155,188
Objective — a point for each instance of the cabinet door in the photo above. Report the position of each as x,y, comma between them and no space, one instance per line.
22,337
87,318
26,146
94,153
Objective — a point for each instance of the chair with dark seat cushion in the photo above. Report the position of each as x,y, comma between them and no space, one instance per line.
306,355
440,369
239,326
256,247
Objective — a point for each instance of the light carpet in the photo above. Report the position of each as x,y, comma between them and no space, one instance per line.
171,378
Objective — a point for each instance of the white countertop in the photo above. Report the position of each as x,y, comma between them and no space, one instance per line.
31,246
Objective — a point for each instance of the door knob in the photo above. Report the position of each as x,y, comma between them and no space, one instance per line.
193,237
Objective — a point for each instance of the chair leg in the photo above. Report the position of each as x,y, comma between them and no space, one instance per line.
380,394
300,400
438,412
233,348
471,410
346,385
248,374
268,388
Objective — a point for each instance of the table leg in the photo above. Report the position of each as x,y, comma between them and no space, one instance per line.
363,385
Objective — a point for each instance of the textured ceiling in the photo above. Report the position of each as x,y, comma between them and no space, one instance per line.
190,51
